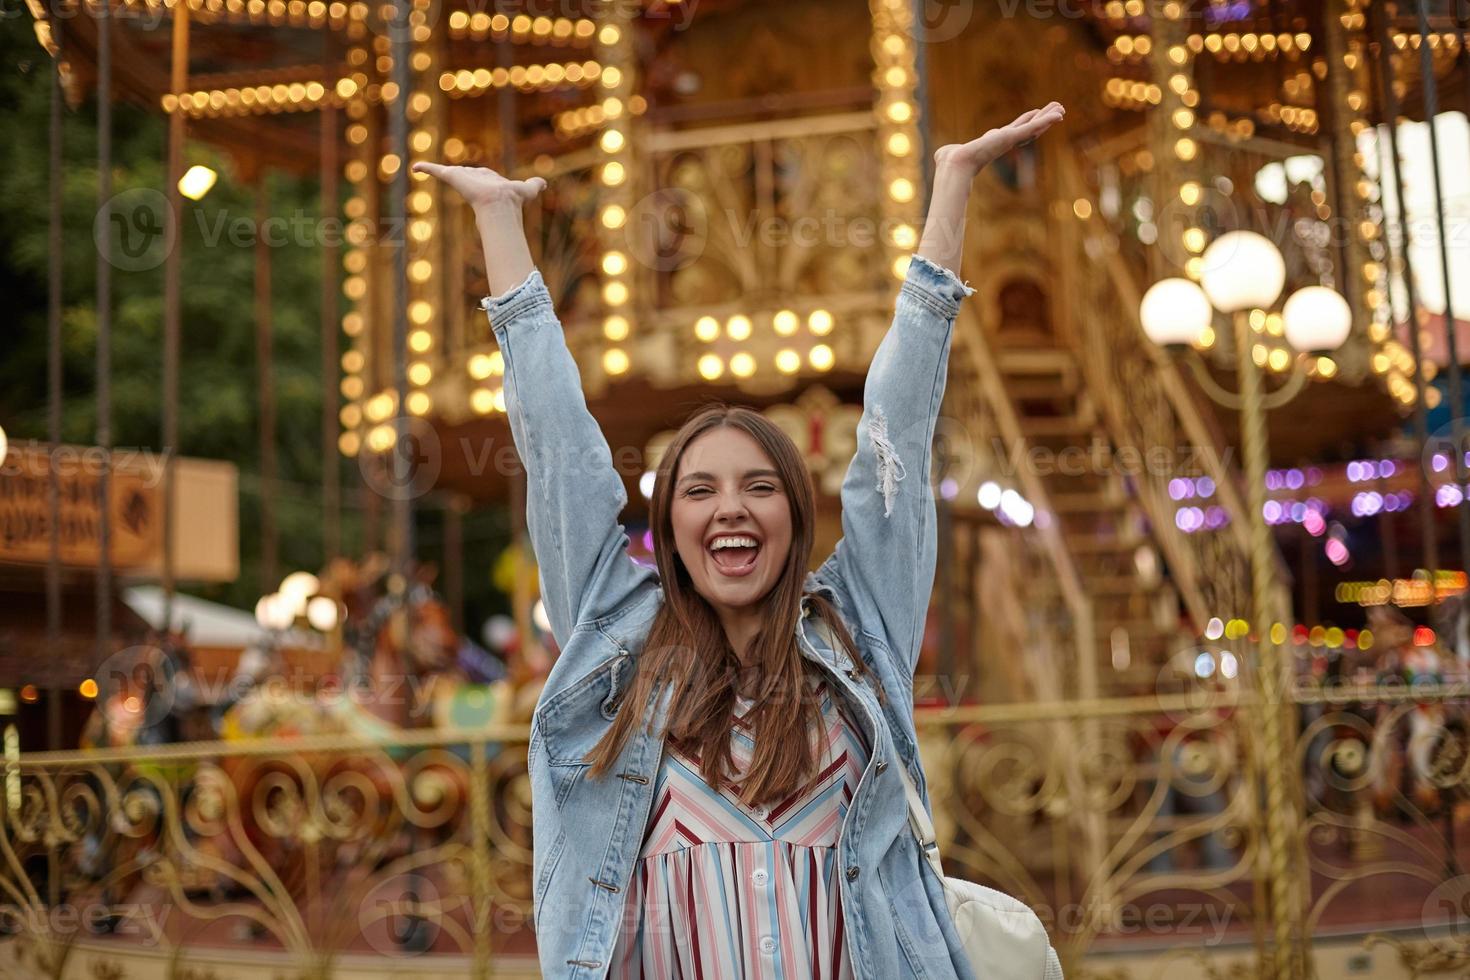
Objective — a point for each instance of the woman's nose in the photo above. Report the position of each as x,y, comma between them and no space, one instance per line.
732,506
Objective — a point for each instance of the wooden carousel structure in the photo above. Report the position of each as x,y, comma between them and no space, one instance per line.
732,191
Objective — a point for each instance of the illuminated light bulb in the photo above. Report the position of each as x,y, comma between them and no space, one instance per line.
612,141
609,35
613,216
482,401
901,266
615,361
904,236
419,403
350,416
785,323
1326,367
899,144
420,373
820,322
381,438
788,361
821,357
614,263
615,293
419,270
612,174
742,365
615,328
420,341
351,387
348,443
738,327
1279,360
196,182
420,312
1186,149
706,328
900,112
353,361
479,366
710,366
901,190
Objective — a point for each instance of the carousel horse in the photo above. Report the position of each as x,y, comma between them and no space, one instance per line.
404,667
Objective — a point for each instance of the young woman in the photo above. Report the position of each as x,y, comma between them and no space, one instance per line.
710,758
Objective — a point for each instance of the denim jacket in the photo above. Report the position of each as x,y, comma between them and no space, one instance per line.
587,833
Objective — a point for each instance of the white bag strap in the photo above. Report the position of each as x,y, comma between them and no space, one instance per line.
919,821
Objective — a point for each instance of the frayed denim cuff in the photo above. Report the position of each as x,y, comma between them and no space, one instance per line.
529,294
936,286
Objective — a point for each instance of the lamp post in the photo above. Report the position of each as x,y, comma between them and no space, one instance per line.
1244,271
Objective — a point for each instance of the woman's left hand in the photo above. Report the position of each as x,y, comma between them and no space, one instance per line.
976,155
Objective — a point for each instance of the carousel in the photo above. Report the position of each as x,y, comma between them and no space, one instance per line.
734,189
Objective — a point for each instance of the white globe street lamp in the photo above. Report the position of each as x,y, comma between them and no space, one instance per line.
1242,271
1316,320
1175,312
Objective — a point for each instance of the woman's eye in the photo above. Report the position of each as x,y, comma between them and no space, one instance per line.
695,490
765,487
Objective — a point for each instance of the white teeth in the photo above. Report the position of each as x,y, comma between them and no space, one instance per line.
733,542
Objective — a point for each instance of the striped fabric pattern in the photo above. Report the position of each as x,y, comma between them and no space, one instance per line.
723,890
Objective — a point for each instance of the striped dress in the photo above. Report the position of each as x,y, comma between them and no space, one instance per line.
722,890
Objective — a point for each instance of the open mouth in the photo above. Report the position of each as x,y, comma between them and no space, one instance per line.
734,555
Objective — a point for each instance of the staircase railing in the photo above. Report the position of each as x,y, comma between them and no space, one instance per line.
1145,404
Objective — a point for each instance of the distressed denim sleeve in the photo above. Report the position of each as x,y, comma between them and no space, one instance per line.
573,493
885,560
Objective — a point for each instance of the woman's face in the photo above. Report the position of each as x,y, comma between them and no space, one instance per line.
727,494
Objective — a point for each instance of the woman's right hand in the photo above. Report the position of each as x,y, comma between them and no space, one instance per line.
482,187
497,203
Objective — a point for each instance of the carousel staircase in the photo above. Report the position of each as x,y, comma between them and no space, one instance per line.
1135,612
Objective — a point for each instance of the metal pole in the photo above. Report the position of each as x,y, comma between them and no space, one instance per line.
1457,423
1273,680
454,509
55,271
331,275
400,36
104,338
178,83
269,578
1390,108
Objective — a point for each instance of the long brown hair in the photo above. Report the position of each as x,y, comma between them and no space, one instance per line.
687,647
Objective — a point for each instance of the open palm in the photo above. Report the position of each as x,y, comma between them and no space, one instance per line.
481,186
983,150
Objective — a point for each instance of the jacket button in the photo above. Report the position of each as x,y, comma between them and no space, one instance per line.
852,873
882,766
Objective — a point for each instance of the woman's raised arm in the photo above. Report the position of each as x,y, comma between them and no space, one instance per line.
573,493
885,560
